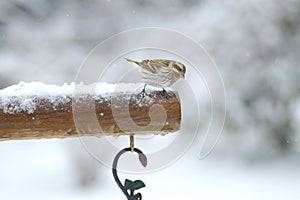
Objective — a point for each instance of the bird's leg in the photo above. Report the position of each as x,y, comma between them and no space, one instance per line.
144,90
142,94
165,93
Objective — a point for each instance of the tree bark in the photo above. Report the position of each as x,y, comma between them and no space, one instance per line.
76,116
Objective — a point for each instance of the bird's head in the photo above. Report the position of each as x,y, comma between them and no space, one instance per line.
179,69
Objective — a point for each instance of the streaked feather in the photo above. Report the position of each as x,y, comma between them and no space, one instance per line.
160,72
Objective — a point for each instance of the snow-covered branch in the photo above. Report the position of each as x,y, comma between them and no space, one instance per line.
37,111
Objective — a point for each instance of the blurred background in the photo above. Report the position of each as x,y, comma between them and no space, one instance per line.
256,46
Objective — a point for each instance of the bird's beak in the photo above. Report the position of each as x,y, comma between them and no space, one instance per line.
183,76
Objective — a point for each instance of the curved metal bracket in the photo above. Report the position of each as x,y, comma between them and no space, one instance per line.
129,186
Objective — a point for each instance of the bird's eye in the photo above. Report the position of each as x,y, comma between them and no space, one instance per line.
178,68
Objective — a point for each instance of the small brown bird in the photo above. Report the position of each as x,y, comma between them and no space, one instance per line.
159,72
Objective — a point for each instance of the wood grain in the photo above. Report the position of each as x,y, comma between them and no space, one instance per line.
76,117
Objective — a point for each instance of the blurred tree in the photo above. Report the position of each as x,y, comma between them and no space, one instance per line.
257,52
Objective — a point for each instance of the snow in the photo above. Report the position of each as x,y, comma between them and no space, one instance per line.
52,177
46,90
256,45
22,96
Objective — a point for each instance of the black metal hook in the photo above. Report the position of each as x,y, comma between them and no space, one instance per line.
129,185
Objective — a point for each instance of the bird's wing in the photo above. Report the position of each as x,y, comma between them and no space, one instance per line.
160,62
153,65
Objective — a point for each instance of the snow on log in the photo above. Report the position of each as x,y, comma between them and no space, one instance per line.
36,110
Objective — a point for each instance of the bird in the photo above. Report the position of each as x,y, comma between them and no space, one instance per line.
160,72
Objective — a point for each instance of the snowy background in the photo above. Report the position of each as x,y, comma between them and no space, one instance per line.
256,45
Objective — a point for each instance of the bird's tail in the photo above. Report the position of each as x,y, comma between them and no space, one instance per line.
133,61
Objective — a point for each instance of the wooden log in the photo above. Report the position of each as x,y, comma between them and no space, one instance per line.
73,115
